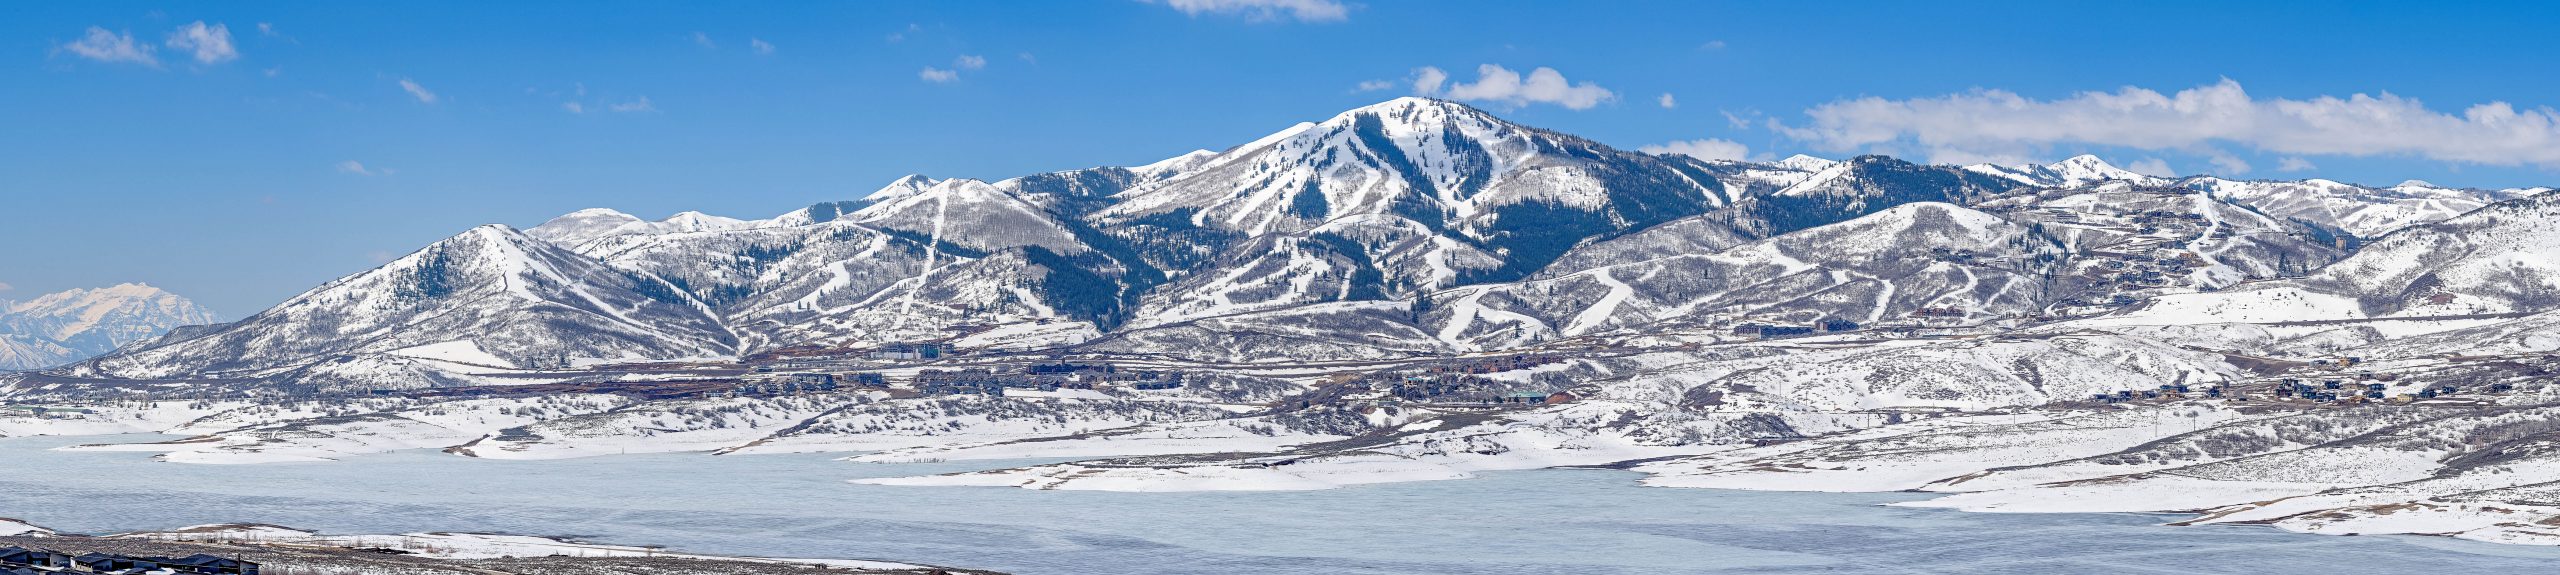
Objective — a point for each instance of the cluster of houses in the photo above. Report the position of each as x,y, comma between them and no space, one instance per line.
2338,391
772,384
1042,377
1774,331
1460,389
2155,220
22,561
1464,382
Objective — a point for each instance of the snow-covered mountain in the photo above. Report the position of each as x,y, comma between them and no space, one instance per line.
491,297
2077,171
63,327
1476,232
1420,290
2354,211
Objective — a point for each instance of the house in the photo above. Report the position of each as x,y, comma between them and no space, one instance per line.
19,557
14,561
210,565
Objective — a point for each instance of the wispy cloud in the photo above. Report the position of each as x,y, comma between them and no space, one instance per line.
938,75
4,286
209,44
105,46
411,86
704,40
641,105
2151,167
2294,164
1738,121
968,62
2197,121
901,35
266,29
1266,10
1374,85
1712,45
1498,85
760,46
358,168
1707,149
574,107
1667,101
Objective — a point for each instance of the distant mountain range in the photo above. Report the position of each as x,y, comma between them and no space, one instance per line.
1441,226
64,327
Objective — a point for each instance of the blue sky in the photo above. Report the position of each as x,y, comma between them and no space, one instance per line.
239,153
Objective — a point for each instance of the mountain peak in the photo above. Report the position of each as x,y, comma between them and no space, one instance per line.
76,323
2088,169
1807,163
1414,112
581,225
906,185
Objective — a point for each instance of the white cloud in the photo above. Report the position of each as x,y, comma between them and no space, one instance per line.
1667,102
2151,167
1027,58
209,43
641,105
2294,164
1374,85
273,71
104,46
2195,120
967,62
266,29
1706,149
1428,79
704,40
938,75
1267,10
357,168
421,92
1499,85
574,107
760,46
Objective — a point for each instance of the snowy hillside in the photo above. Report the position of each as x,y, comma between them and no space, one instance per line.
491,297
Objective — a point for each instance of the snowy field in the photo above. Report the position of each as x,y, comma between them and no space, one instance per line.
1502,522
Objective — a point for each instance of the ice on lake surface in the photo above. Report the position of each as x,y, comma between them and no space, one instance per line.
1544,522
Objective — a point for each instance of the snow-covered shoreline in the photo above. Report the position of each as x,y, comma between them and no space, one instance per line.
436,545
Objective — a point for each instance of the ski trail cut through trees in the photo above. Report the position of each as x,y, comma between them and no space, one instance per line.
932,258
